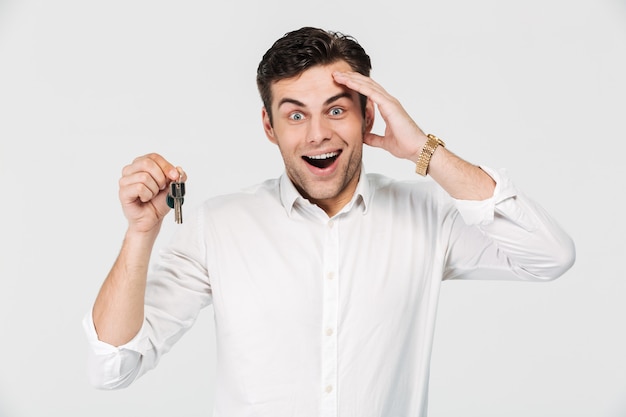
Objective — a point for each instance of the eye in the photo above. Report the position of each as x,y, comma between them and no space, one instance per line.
296,116
336,111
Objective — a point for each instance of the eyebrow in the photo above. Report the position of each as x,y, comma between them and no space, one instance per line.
344,94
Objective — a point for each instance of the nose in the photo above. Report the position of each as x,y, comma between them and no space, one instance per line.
319,130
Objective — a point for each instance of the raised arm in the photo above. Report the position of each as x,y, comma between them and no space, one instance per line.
118,311
528,241
404,139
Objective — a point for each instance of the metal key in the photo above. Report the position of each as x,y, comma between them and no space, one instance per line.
175,199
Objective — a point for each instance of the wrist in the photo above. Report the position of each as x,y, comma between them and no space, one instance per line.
138,237
425,155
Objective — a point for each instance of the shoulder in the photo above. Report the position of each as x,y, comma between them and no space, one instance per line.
255,197
409,201
383,187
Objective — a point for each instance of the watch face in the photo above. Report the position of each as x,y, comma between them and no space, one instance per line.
439,141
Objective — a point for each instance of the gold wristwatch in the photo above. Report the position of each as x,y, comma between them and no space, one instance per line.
427,152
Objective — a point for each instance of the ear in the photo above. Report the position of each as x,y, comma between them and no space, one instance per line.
267,126
368,123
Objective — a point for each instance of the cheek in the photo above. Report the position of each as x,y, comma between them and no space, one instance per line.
355,131
287,142
289,135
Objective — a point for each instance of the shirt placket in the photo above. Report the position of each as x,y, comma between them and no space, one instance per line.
329,320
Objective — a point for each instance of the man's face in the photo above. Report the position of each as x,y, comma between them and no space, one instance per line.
319,126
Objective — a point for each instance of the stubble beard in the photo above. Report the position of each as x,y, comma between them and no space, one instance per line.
315,190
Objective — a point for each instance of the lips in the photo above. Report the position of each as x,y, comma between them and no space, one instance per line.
323,160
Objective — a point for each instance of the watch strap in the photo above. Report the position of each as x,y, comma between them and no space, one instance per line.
427,152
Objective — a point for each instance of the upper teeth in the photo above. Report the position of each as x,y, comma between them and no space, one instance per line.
324,155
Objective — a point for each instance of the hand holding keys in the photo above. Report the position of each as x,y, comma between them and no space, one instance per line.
175,199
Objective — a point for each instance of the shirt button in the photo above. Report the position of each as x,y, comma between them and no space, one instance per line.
329,332
329,388
330,276
331,223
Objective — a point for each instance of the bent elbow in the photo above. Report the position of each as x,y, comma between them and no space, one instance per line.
109,384
105,384
110,372
567,257
562,259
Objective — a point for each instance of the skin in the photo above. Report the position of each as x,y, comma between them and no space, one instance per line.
119,307
315,113
312,116
404,139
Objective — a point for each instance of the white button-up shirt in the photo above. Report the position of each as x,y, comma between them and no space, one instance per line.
319,316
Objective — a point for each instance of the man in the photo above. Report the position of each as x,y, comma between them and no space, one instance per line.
325,281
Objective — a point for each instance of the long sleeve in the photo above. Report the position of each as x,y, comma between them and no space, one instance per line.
519,239
177,289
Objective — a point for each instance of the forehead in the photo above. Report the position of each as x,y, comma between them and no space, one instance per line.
314,84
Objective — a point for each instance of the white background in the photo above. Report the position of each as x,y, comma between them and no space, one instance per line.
537,87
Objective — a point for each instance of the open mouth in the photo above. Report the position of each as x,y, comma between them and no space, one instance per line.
322,161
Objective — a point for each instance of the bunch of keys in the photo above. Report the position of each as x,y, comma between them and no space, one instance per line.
175,199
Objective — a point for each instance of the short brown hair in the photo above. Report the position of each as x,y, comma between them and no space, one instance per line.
304,48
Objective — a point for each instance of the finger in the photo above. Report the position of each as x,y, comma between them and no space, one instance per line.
388,106
374,140
158,167
362,84
182,175
141,185
136,192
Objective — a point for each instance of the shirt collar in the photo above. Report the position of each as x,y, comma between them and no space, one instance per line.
290,197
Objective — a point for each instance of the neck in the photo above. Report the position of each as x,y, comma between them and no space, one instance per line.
335,204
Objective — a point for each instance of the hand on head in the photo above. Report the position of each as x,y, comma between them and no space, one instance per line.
402,138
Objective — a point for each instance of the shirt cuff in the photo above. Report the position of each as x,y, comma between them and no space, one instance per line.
102,348
111,367
481,212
